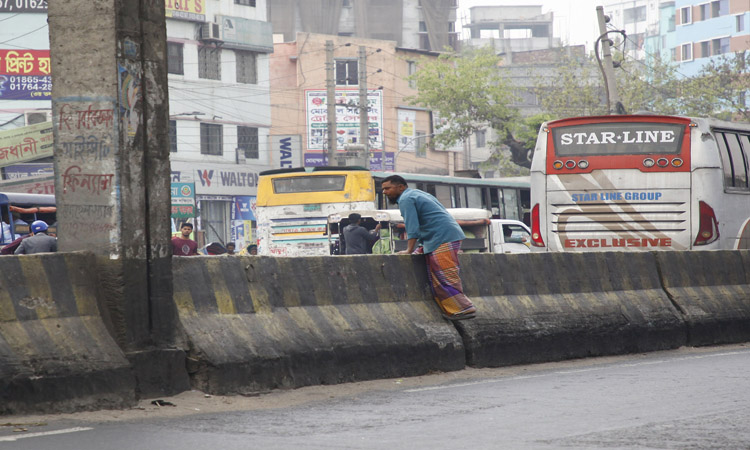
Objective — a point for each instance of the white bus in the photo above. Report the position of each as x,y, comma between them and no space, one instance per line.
640,182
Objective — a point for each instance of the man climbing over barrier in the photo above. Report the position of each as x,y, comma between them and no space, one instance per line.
428,222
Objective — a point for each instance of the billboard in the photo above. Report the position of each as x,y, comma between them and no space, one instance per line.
23,6
25,75
193,10
26,143
406,134
347,119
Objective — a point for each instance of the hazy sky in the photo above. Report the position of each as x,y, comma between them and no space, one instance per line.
575,20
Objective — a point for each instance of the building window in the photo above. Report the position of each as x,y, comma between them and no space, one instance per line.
740,23
686,52
719,8
209,63
686,16
451,27
347,3
247,141
212,142
173,136
245,2
346,73
633,15
412,69
420,140
422,27
247,67
703,13
670,24
481,136
174,58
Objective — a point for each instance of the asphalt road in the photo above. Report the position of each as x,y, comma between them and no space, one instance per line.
683,399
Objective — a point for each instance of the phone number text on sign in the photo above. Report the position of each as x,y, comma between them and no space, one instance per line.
23,6
28,87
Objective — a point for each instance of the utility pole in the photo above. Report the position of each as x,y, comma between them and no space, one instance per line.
331,103
364,117
609,71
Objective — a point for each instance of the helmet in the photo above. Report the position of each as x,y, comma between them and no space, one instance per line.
38,225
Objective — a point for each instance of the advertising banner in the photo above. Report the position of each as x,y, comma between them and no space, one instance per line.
26,143
287,151
36,185
406,135
183,200
347,119
18,171
25,74
23,6
320,159
244,207
193,10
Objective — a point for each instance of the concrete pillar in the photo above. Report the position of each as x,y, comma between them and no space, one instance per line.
110,109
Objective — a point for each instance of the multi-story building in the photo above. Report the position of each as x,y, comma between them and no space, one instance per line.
662,42
397,132
511,29
417,24
25,94
709,29
639,19
219,103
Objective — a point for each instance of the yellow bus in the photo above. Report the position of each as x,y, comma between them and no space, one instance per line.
293,206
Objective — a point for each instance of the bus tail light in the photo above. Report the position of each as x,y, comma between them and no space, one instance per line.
708,227
536,230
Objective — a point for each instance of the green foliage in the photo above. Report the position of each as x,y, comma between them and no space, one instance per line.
466,91
574,89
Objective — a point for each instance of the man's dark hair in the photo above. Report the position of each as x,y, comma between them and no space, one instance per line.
354,218
395,179
187,224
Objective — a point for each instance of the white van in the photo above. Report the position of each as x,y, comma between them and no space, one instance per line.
483,235
510,236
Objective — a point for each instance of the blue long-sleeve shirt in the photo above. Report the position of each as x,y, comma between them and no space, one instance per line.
427,220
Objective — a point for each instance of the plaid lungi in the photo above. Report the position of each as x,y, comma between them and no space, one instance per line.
443,271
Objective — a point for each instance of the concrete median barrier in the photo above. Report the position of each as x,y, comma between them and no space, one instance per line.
258,323
55,352
552,306
712,291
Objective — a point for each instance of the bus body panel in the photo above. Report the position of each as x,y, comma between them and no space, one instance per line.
637,208
293,208
584,213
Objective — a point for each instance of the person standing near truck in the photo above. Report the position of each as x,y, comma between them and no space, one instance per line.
427,221
357,238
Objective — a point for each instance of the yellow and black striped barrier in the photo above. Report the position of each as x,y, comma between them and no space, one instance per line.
554,306
258,323
712,291
55,352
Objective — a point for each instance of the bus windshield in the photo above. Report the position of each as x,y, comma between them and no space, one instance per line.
613,138
292,185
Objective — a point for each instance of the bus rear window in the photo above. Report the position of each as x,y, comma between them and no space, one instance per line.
632,138
316,183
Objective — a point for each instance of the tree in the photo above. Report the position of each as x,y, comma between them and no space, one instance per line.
725,81
468,92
